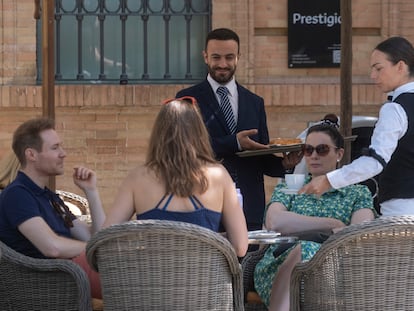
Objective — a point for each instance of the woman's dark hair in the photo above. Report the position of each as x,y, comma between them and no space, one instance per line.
330,119
329,130
398,48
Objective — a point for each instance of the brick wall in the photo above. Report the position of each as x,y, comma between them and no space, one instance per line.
106,127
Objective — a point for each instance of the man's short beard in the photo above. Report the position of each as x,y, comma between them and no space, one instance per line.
219,78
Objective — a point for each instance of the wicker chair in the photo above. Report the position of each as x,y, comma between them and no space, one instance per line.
41,284
363,267
165,265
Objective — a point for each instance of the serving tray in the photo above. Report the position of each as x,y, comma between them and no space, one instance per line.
280,148
270,150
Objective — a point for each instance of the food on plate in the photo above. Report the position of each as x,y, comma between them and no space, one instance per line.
285,141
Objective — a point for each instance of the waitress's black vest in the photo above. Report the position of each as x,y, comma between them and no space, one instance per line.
397,179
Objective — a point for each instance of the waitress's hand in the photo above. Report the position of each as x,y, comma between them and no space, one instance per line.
318,185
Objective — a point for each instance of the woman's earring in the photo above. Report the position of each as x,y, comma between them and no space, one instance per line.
338,160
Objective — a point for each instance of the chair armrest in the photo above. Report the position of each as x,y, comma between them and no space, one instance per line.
52,282
318,235
248,265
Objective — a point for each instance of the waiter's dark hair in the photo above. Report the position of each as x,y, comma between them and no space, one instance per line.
223,34
398,49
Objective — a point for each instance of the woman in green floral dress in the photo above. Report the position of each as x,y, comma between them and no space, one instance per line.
290,213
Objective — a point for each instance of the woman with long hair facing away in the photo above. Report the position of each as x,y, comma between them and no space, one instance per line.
180,179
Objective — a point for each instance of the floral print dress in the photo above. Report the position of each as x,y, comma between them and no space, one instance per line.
337,203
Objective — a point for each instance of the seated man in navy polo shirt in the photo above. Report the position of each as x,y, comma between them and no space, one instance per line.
33,219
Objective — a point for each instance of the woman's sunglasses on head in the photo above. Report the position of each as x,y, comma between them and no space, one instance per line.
189,99
321,150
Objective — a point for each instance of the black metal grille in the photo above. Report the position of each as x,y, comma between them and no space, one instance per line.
129,41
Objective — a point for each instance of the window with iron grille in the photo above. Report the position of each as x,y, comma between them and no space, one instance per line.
129,41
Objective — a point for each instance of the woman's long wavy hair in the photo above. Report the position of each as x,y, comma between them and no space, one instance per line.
179,148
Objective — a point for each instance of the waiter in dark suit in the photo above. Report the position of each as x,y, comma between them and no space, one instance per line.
236,121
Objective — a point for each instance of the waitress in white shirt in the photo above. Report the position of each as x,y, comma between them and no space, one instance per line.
392,144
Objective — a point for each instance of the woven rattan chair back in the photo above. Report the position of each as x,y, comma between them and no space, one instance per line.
369,266
165,265
28,284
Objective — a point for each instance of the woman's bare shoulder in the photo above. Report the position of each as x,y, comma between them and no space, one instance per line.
216,170
139,176
139,171
218,175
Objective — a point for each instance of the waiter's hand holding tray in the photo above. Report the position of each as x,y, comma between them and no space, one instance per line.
276,145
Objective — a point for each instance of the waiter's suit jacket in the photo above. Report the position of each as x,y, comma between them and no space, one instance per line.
247,172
